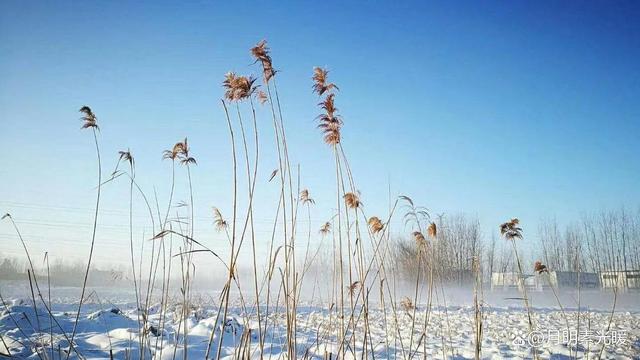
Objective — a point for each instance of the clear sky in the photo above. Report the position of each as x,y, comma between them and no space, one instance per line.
494,109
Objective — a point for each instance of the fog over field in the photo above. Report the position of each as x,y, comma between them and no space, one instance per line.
109,324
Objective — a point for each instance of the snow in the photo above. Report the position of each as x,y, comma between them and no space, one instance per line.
110,327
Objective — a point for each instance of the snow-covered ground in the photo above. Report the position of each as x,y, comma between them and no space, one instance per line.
109,326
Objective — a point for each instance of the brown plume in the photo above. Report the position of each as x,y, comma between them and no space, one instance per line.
510,229
262,97
421,241
406,304
353,287
351,200
126,156
432,230
218,220
540,268
261,53
375,224
174,152
185,158
180,151
325,228
304,197
330,122
89,118
320,84
238,87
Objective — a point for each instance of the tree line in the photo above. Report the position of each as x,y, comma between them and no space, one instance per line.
600,241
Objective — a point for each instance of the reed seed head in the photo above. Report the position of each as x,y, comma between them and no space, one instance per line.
261,53
169,154
375,224
238,87
183,153
188,160
352,200
432,230
539,267
330,122
320,83
421,241
353,287
305,199
180,151
126,157
510,229
262,97
174,152
89,118
218,220
406,304
325,228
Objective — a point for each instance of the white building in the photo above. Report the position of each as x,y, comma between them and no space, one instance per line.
564,280
629,279
557,279
507,280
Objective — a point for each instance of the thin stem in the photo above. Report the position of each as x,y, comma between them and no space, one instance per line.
233,237
93,240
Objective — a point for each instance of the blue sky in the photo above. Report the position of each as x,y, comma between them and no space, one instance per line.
496,110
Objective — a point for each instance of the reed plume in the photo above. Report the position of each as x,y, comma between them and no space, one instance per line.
421,241
238,87
262,97
352,200
406,304
325,228
510,229
539,267
305,199
172,154
432,230
261,53
330,121
375,224
353,287
89,118
220,223
320,83
183,153
125,156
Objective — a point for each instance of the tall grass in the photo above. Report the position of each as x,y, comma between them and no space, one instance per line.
90,122
511,231
360,254
360,248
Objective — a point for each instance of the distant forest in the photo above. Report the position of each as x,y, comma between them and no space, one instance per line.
61,274
602,241
606,240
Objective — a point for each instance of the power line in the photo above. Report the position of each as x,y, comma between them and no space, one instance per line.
125,213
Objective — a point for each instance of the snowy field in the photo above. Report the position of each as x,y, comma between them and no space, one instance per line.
108,328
